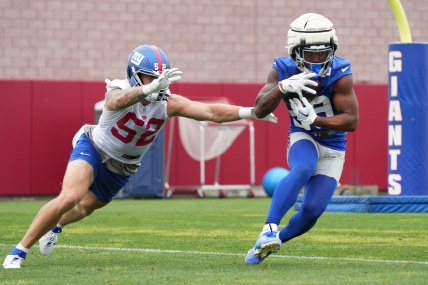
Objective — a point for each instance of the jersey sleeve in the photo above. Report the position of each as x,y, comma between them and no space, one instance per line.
116,84
341,67
285,67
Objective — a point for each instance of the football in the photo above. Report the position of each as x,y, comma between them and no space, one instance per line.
305,94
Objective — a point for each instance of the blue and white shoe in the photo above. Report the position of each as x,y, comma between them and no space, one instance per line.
14,259
49,240
267,244
252,259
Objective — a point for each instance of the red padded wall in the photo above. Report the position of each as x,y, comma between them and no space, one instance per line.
57,115
42,117
92,92
371,137
15,143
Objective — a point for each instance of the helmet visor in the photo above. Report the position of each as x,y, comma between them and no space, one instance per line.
317,54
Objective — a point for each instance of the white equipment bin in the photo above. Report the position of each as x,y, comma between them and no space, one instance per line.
207,140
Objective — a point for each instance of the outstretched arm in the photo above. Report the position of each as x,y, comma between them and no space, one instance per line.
219,113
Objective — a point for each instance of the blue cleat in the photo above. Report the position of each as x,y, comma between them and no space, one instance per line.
266,244
252,259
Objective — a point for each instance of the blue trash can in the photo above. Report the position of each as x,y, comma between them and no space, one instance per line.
148,182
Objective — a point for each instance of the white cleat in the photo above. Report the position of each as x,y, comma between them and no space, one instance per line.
14,259
47,242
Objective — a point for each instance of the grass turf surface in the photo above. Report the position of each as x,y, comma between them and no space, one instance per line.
204,241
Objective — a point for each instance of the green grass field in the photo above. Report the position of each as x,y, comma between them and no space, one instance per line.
204,241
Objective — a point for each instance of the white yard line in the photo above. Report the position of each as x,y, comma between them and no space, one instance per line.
147,250
240,254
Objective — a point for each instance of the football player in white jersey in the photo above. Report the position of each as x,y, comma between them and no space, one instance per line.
105,155
319,120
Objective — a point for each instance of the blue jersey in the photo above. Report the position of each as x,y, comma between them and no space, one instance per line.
323,101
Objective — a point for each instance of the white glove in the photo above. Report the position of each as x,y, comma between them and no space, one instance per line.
248,112
304,112
297,83
161,83
157,97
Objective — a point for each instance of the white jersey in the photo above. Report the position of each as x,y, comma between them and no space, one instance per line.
127,134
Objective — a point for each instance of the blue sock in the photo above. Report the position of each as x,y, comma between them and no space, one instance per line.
318,193
57,229
18,252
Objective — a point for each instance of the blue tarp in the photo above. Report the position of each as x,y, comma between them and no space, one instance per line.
148,182
375,204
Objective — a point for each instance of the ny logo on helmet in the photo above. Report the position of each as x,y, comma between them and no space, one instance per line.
137,58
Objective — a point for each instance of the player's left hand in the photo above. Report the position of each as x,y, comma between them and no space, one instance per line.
248,112
304,112
158,96
168,77
151,91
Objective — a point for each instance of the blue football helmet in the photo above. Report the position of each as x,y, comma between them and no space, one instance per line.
146,59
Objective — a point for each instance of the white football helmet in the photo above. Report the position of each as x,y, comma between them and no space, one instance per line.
312,42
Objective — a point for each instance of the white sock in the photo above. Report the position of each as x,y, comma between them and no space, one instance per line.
21,247
269,228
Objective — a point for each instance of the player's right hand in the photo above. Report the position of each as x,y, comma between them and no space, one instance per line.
248,112
303,110
298,83
270,118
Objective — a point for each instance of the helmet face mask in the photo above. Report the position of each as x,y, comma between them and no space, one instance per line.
146,59
312,42
314,58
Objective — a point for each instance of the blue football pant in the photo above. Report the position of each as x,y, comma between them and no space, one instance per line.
319,189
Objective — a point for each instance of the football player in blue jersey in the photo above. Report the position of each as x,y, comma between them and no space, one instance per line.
317,88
